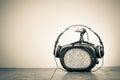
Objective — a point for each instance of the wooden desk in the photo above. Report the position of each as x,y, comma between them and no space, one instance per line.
105,73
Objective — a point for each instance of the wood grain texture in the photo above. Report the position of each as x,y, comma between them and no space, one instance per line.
106,73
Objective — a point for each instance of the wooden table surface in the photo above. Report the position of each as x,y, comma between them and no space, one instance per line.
105,73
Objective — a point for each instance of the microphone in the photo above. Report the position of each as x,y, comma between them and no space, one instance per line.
80,30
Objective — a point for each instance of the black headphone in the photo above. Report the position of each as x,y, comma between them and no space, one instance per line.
99,49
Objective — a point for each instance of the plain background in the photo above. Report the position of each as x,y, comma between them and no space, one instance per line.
29,28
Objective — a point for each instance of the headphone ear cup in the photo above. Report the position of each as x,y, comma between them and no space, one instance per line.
99,51
102,51
58,51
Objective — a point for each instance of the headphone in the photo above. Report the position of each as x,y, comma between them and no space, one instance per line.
99,49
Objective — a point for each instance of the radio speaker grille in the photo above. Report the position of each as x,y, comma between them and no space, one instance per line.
77,58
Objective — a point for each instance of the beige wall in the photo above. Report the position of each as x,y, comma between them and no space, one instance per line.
29,28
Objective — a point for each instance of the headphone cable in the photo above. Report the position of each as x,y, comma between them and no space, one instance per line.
99,66
56,69
57,65
53,73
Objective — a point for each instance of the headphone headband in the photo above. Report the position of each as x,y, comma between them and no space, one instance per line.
56,42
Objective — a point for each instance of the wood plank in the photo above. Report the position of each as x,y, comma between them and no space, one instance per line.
106,73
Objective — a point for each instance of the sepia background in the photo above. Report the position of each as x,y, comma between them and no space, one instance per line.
29,28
